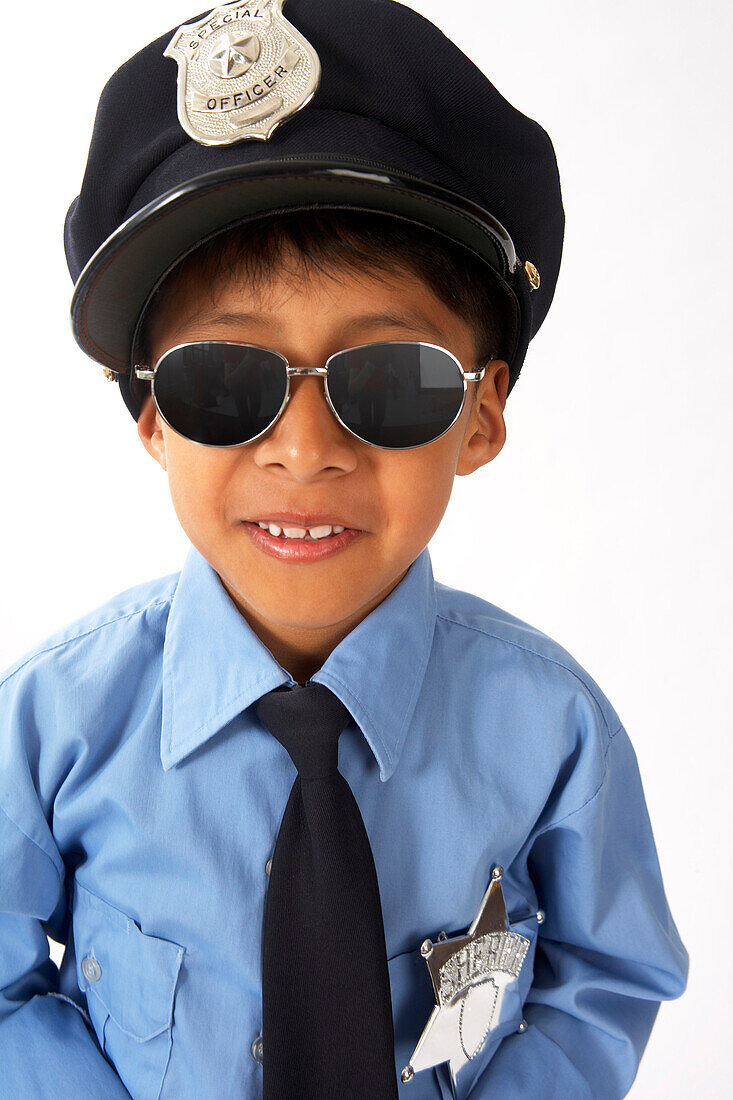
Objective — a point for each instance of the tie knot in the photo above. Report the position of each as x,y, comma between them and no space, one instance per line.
307,720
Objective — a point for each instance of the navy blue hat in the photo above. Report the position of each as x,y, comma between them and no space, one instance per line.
242,111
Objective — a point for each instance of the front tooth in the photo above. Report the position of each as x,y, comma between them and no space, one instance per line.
294,532
274,529
338,530
320,532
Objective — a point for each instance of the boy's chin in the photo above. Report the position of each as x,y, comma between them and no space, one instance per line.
286,598
290,611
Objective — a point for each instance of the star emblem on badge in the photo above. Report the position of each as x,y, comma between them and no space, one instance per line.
233,56
469,974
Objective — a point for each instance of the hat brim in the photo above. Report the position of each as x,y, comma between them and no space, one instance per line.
118,280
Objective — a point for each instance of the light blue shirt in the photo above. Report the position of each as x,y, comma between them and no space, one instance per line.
140,800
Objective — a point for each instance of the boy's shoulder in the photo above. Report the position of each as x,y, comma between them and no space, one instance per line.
527,648
101,632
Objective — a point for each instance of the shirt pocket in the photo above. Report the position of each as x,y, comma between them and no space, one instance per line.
506,1024
130,979
413,1001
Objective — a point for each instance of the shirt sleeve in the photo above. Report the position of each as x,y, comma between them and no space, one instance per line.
47,1044
607,953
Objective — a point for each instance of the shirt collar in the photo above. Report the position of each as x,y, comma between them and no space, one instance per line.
215,666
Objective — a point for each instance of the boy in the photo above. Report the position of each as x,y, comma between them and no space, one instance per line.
472,903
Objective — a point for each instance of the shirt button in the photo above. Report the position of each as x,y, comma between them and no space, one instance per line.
268,866
257,1049
91,969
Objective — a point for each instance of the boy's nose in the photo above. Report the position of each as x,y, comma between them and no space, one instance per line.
307,438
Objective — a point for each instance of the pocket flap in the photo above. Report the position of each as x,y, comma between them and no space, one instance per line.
133,974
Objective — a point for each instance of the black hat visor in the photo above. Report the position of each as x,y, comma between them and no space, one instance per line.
118,280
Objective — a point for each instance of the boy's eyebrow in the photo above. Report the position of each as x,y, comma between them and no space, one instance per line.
407,318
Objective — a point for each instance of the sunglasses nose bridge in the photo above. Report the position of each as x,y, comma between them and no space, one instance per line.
323,371
293,372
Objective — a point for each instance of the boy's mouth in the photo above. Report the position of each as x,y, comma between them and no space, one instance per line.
313,534
308,528
303,544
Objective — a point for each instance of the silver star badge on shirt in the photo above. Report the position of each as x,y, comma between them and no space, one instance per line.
470,974
242,70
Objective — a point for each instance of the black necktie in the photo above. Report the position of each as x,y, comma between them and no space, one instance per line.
327,1030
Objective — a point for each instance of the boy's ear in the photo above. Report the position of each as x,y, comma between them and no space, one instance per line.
150,430
485,433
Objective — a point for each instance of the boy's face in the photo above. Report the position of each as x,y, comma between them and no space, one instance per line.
307,462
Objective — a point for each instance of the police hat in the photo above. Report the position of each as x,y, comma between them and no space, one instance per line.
360,104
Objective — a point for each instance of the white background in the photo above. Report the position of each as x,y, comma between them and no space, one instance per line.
606,519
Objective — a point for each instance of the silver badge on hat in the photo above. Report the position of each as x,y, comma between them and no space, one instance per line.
242,70
471,975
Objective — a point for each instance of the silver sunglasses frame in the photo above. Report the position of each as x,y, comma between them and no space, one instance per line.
145,373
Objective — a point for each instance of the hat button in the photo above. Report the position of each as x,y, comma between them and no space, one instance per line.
533,275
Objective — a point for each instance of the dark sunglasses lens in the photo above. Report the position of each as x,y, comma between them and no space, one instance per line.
219,393
396,394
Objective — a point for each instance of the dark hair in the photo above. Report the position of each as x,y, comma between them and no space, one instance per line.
333,239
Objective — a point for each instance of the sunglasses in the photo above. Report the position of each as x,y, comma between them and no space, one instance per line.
395,394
